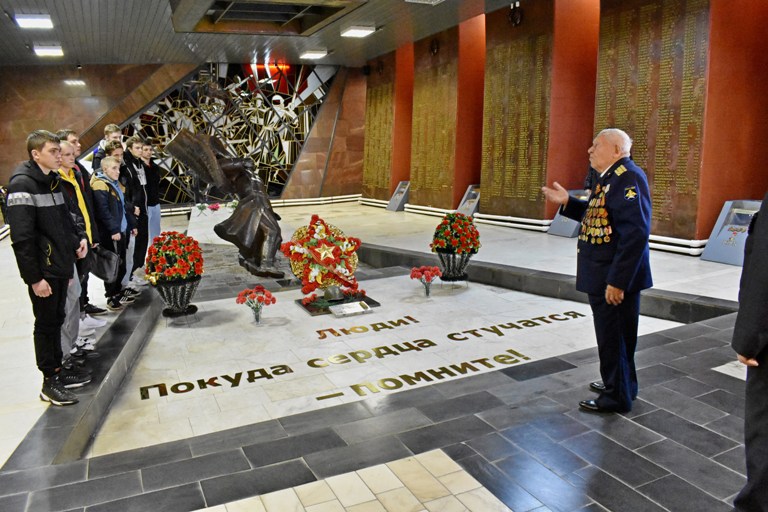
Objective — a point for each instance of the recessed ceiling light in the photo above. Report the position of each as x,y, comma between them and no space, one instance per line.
49,51
34,21
74,83
314,54
427,2
358,31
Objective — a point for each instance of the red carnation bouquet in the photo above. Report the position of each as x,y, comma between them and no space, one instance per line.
256,297
173,256
456,233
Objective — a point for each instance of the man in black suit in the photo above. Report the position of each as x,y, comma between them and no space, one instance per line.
750,341
612,262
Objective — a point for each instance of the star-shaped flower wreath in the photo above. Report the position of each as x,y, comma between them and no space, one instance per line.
321,256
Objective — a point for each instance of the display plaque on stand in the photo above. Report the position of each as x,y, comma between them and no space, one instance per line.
400,197
470,201
563,226
726,242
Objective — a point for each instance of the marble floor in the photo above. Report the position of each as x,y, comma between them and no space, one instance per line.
489,426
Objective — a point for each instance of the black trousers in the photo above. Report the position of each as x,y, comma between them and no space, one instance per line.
616,331
118,247
142,240
49,317
754,496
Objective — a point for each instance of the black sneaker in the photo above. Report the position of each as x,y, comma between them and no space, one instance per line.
78,353
71,379
92,310
126,300
76,365
130,292
113,304
54,392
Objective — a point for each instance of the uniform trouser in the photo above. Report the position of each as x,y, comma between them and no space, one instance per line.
118,247
153,222
71,327
754,496
616,332
49,316
140,247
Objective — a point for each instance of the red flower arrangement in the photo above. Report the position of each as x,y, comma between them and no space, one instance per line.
456,233
173,256
256,297
425,274
321,256
214,207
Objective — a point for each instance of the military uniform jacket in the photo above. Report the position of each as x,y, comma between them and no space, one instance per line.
615,226
750,334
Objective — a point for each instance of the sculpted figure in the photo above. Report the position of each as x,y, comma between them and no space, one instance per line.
253,226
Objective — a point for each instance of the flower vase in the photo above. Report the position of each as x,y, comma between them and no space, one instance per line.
257,313
427,286
177,296
453,266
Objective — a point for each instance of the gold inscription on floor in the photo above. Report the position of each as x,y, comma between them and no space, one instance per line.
510,357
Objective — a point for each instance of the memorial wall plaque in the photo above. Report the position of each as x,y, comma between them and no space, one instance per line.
379,124
652,84
516,113
433,139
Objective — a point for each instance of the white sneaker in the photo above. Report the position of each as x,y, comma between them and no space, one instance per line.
88,321
86,331
84,343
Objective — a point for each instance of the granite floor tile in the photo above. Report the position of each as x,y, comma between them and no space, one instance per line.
86,493
271,452
357,456
551,454
237,437
493,479
688,408
460,406
42,477
691,435
518,393
711,358
721,322
694,345
537,369
721,381
657,374
618,428
130,460
395,401
656,339
176,499
542,483
593,507
192,470
614,459
584,357
688,386
613,494
443,434
14,502
245,484
735,459
676,494
689,331
385,424
459,451
492,447
654,356
725,401
314,420
729,426
484,381
695,469
560,427
532,410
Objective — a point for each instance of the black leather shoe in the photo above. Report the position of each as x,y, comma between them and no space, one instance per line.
591,405
597,386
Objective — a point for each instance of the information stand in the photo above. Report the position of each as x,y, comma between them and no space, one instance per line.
726,242
470,202
400,197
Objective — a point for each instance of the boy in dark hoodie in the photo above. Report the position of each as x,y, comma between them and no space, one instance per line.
46,242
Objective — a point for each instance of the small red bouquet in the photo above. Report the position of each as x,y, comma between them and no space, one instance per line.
426,275
256,297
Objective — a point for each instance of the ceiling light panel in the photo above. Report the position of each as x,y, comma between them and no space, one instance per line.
34,21
358,31
48,51
314,54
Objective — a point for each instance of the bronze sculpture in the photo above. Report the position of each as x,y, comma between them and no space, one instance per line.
253,226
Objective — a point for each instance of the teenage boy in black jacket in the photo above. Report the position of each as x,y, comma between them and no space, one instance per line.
46,242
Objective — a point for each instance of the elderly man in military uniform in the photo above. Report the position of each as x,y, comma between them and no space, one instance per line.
612,262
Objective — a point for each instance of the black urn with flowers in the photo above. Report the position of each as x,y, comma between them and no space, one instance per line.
455,241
